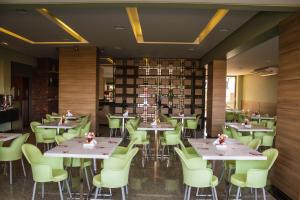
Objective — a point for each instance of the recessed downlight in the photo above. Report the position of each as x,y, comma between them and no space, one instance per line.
4,43
120,28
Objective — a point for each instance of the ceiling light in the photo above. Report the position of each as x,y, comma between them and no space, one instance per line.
224,29
4,43
120,28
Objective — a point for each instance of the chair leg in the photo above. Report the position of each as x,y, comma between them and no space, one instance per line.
43,190
162,152
189,193
185,192
264,193
33,191
87,178
68,188
126,188
96,192
238,193
255,193
10,172
213,193
216,194
110,132
24,171
195,133
60,191
123,193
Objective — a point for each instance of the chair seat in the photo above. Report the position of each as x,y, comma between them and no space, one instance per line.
76,162
59,175
49,141
239,180
98,182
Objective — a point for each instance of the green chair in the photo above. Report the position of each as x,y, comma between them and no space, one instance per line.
140,138
239,136
75,162
241,117
72,133
189,152
196,174
13,153
121,151
45,169
253,174
267,138
192,125
85,129
170,138
49,118
114,125
229,116
42,135
227,131
115,174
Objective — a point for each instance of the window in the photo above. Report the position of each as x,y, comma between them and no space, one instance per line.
230,92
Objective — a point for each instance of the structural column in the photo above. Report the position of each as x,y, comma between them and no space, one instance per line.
286,172
78,81
216,97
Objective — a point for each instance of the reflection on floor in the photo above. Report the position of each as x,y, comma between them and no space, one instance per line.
154,181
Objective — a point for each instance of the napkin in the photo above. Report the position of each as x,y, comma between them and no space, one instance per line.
125,114
154,124
69,114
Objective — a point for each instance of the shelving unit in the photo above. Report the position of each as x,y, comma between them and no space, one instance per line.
148,86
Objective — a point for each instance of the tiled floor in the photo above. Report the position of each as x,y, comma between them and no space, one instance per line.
154,181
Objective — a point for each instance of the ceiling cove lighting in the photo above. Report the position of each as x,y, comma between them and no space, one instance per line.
134,19
58,22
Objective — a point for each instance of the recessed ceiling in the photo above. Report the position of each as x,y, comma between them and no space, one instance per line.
262,55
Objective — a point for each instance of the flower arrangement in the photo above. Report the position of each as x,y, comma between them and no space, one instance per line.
222,138
90,136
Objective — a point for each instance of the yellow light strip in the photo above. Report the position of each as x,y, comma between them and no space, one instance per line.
219,15
3,30
57,21
61,24
134,19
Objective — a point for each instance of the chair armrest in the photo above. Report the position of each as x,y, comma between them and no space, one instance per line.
114,162
196,163
114,178
53,162
41,172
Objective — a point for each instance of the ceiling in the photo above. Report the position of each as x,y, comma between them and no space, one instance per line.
96,25
262,55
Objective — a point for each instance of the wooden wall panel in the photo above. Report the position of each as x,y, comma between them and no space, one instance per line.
78,88
286,172
216,96
261,107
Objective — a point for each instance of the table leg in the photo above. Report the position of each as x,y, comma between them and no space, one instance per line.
182,123
123,126
156,144
57,131
81,177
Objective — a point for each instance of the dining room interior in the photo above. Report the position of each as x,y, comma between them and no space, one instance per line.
158,99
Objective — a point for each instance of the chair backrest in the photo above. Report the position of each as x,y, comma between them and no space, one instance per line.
192,176
60,139
254,144
131,144
32,153
85,129
129,128
272,155
14,151
226,131
33,125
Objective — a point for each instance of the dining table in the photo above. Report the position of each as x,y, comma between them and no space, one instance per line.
8,136
162,126
76,148
123,117
259,118
68,117
68,124
240,127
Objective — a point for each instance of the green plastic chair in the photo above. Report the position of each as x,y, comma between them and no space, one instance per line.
140,138
170,138
115,174
72,133
227,131
189,152
253,174
45,169
229,116
75,162
13,153
121,151
192,125
50,118
114,125
196,174
267,138
238,136
241,117
85,129
43,136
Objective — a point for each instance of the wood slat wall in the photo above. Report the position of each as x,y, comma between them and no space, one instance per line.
286,173
78,88
216,97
